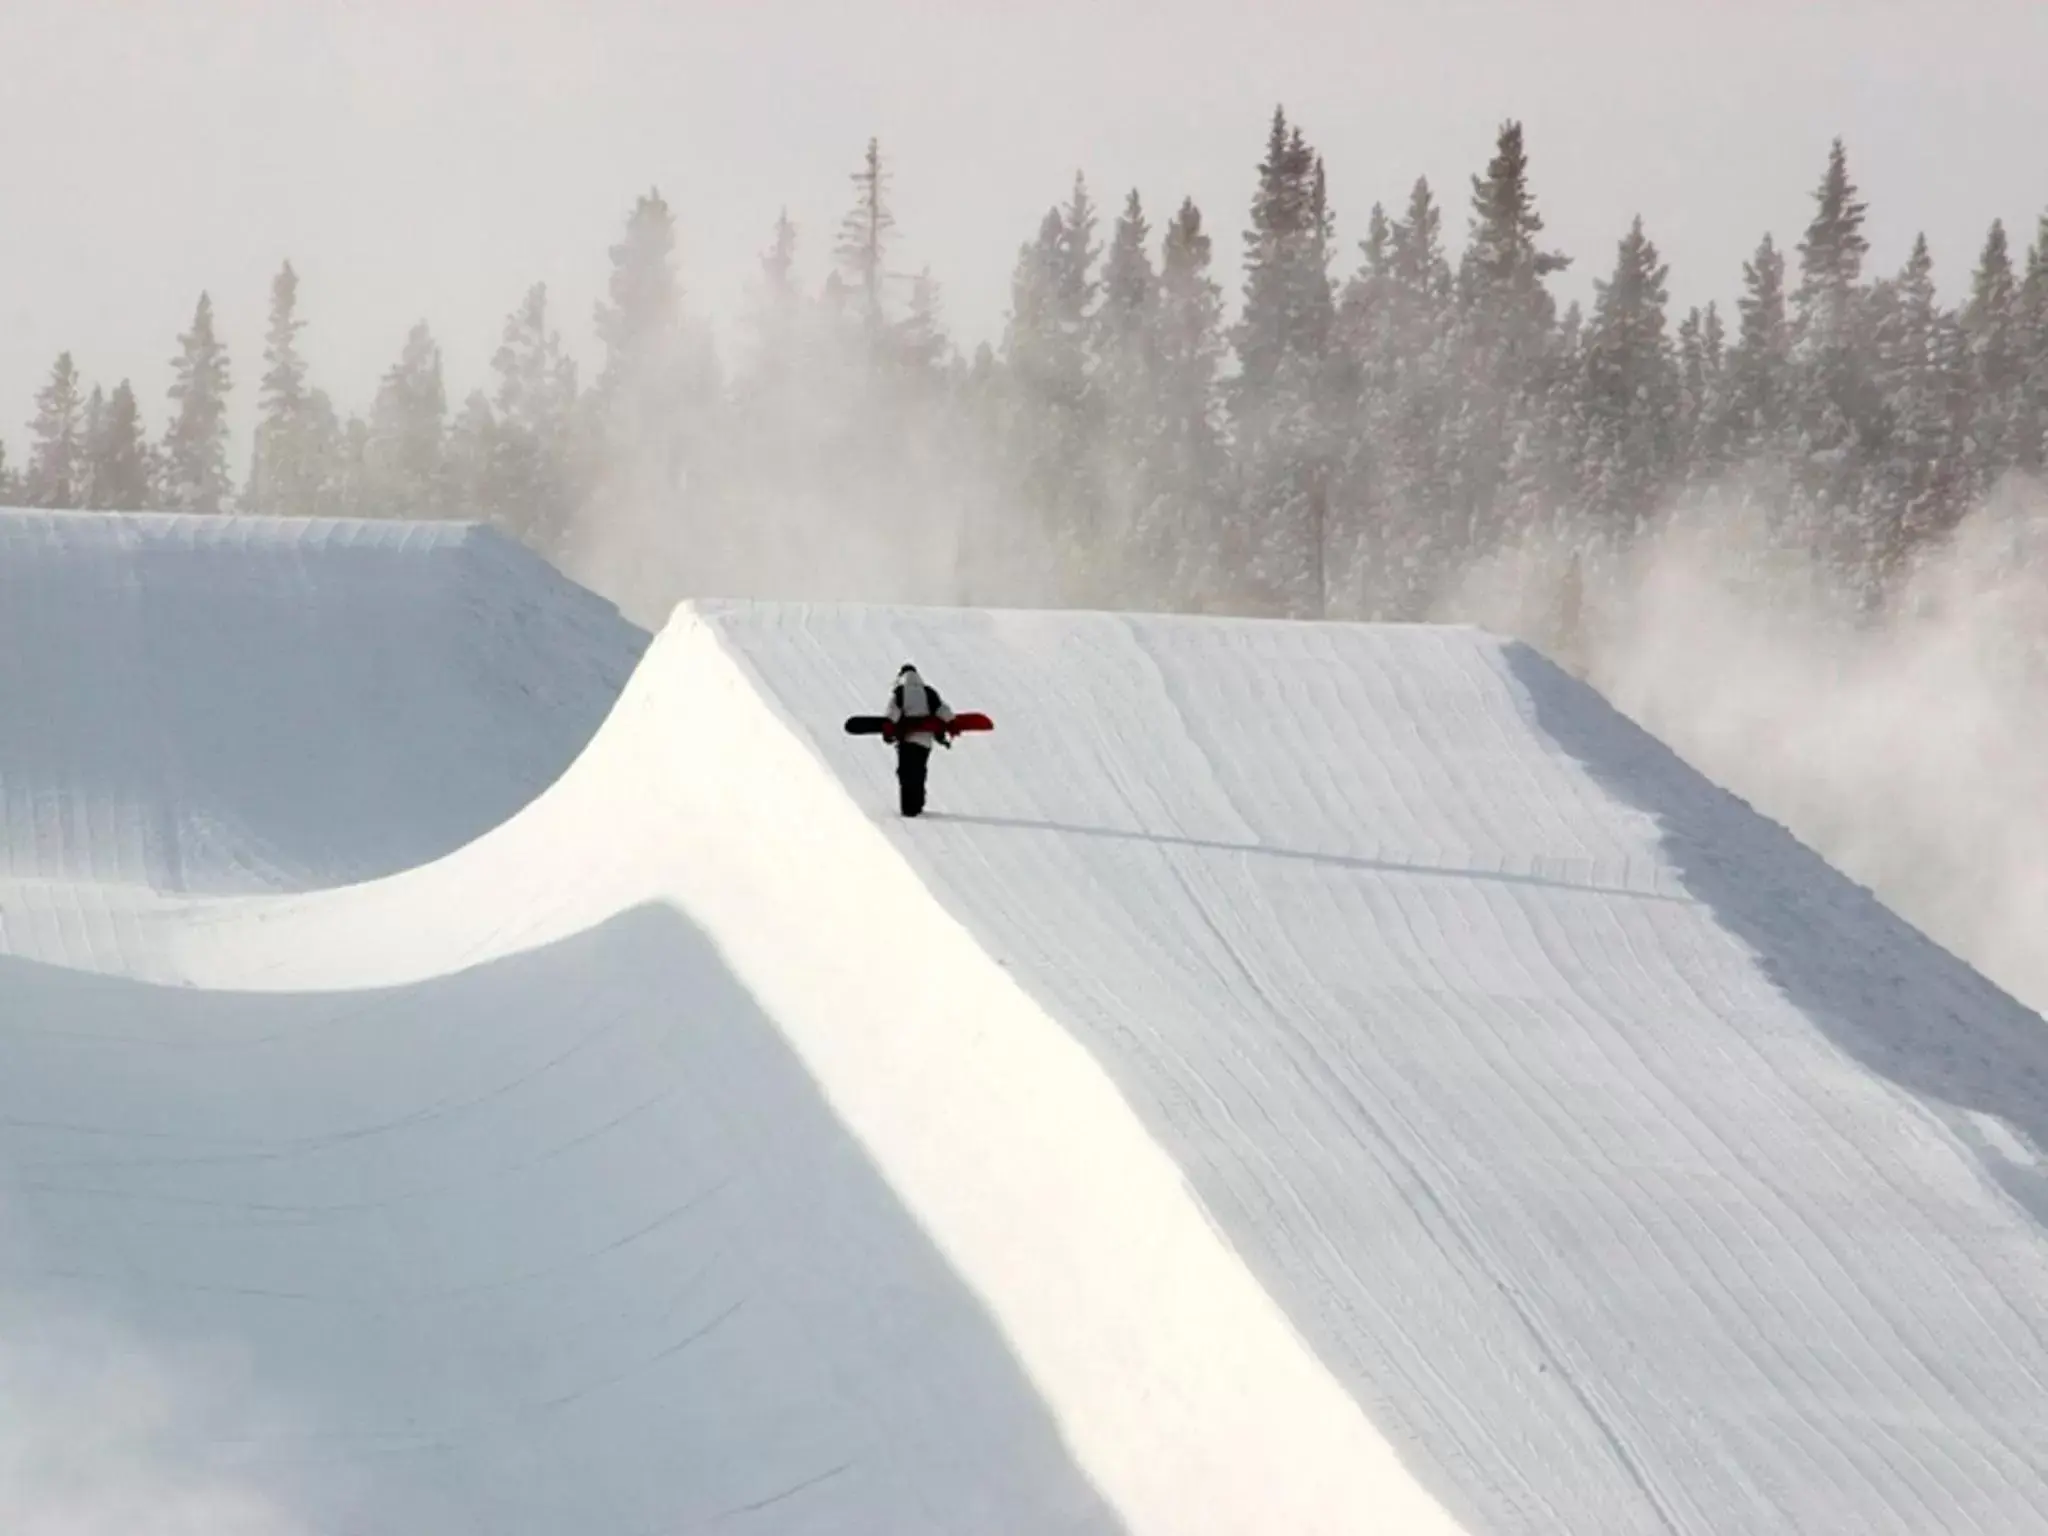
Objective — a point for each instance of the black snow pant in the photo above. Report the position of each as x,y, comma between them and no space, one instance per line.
911,762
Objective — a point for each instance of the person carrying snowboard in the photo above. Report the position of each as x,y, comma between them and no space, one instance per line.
915,704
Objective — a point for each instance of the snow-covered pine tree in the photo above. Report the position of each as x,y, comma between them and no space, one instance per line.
650,432
1124,329
119,472
1920,475
1413,447
920,352
862,250
644,388
325,440
532,491
1509,353
286,474
1125,339
1178,539
195,451
1362,537
1757,400
784,373
1049,428
1703,388
56,471
1629,392
1992,323
92,427
2030,450
350,491
467,459
1694,388
1835,411
775,317
403,455
1280,402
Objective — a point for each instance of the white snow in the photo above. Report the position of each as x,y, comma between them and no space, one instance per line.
1299,1079
205,704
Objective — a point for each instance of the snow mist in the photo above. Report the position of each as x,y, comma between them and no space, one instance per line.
1908,749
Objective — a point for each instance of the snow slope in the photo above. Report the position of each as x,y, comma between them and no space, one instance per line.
1301,1078
208,704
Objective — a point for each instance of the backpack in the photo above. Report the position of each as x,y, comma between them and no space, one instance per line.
932,702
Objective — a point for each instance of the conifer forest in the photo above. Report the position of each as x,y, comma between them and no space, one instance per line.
1245,413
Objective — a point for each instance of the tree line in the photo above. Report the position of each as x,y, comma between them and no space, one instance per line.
1367,423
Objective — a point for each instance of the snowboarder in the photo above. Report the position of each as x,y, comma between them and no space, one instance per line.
915,702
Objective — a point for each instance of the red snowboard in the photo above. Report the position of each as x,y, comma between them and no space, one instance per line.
887,729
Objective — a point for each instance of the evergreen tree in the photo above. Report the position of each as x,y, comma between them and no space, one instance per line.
1075,272
1178,535
778,305
403,449
1049,427
120,469
640,388
783,384
1421,274
531,484
778,263
1126,386
1411,390
1280,407
1510,353
862,252
1365,308
1830,258
1835,412
1992,322
1629,390
351,490
56,472
91,431
2030,449
469,461
1920,476
286,475
1757,410
195,456
1702,445
1124,322
335,488
1708,443
921,345
650,421
1363,534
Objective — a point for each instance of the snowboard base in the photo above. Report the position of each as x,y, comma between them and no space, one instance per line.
888,730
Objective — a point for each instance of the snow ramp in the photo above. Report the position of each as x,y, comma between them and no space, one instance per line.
1298,1079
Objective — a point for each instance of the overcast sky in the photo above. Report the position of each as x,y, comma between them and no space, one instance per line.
429,158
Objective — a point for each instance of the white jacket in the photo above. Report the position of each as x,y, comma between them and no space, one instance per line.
911,699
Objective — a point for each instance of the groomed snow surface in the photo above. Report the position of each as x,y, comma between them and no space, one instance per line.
1298,1079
